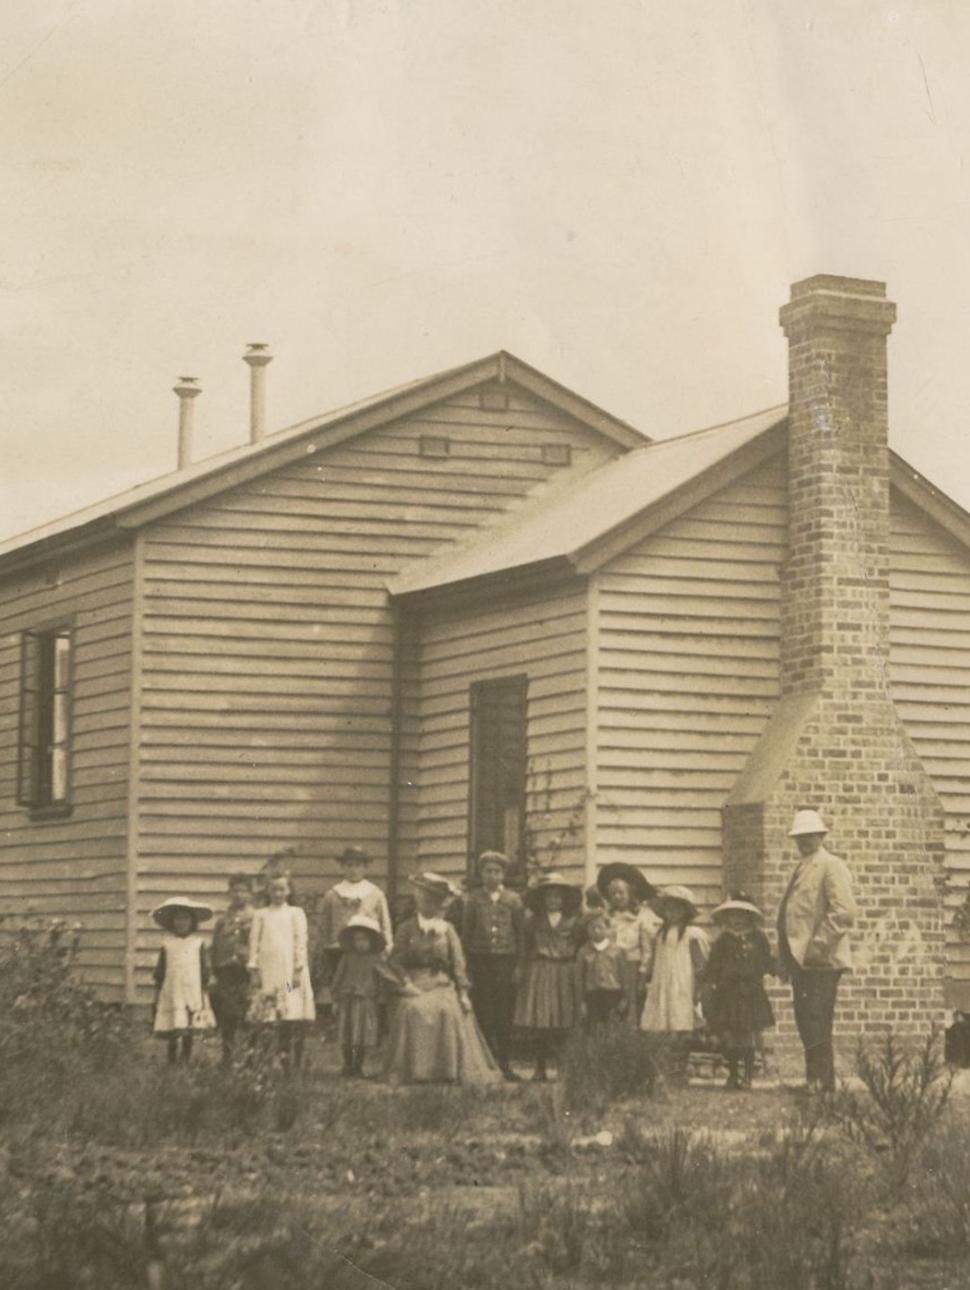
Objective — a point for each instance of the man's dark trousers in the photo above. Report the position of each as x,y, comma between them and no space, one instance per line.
492,979
813,994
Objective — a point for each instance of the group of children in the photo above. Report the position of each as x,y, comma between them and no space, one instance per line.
466,974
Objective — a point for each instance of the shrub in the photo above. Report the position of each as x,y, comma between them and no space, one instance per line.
907,1089
600,1069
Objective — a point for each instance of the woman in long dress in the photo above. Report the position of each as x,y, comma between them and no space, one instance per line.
434,1036
279,967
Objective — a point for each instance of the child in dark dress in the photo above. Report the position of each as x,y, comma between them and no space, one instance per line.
737,1008
547,1004
355,985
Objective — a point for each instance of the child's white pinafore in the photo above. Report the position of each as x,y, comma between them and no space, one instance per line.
182,1002
670,997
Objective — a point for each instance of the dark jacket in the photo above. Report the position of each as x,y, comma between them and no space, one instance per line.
493,926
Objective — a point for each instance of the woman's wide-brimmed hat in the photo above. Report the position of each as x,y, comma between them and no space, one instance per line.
675,892
737,903
640,888
435,883
361,923
572,897
807,822
354,855
166,911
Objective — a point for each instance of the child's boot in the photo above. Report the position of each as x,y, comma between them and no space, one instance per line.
349,1054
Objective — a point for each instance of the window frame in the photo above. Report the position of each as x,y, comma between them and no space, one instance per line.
520,681
37,715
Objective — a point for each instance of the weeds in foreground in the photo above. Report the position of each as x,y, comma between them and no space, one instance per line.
600,1069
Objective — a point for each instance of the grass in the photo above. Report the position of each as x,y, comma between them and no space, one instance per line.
118,1172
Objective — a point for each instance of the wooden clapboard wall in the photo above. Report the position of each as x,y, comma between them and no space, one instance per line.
688,644
74,868
929,656
267,642
543,638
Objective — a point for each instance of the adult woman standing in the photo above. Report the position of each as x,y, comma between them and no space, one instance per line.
278,965
434,1036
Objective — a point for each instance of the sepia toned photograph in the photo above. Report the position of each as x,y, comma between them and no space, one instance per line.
485,645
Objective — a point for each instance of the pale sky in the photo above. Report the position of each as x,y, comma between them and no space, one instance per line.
620,193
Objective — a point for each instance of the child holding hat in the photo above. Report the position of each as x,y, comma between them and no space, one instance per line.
181,976
355,988
737,1007
492,925
679,954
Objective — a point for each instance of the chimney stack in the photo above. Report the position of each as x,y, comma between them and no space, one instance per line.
835,741
188,389
258,360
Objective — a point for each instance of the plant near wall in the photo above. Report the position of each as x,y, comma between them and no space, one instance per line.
543,856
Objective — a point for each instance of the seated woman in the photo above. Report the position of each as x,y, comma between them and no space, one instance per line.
434,1036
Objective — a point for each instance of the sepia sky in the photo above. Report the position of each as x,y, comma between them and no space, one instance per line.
619,193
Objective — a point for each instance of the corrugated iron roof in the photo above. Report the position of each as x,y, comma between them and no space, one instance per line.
561,526
186,485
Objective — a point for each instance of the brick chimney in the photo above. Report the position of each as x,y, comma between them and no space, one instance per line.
835,741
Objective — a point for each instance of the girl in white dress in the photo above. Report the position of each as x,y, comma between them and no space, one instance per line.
181,977
680,951
280,973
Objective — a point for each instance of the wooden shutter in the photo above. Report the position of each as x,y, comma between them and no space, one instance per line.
27,749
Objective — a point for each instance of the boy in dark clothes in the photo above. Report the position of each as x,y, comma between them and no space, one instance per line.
229,955
599,973
492,928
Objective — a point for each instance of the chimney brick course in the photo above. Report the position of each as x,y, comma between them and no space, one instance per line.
836,742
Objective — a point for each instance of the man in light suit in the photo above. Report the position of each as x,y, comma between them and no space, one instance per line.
814,918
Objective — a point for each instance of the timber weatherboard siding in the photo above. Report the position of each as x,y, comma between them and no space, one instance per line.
929,663
267,643
687,677
74,867
541,637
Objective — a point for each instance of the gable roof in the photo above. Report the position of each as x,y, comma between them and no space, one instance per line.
168,493
610,508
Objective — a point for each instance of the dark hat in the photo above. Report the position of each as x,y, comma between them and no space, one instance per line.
640,888
351,854
361,923
492,857
572,896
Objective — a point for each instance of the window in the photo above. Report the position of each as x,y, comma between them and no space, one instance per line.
43,770
498,767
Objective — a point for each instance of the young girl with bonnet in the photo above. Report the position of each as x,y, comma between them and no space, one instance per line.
680,952
547,1004
737,1006
181,975
354,894
355,987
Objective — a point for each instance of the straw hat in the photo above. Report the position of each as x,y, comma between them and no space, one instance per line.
807,822
165,912
572,896
435,883
738,902
676,892
361,923
640,888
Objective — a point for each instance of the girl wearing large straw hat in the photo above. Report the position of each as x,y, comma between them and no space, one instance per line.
181,976
547,1004
434,1037
679,954
736,1005
354,987
632,926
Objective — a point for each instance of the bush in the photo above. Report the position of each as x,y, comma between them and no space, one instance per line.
602,1068
907,1089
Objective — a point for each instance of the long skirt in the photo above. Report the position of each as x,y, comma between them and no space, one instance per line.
357,1022
433,1040
547,998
